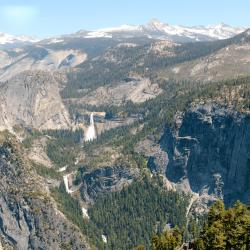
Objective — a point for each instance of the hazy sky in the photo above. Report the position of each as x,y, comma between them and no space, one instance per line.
52,17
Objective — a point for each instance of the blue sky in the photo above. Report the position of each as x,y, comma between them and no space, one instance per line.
53,17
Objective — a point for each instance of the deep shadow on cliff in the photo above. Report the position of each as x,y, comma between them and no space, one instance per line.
210,148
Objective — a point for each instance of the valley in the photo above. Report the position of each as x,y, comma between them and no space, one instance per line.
111,137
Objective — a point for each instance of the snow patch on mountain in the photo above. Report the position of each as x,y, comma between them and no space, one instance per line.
55,40
159,30
11,39
153,30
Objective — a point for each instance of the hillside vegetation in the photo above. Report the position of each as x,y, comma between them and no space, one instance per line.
225,229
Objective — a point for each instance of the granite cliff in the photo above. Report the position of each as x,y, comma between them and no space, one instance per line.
208,152
29,218
32,99
106,179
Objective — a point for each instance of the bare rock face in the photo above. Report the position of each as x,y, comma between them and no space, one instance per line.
230,61
133,89
210,151
38,58
107,179
32,99
158,159
29,218
38,154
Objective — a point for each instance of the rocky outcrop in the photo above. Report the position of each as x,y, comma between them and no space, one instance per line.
107,179
29,218
37,152
135,89
157,157
37,58
32,99
216,66
209,152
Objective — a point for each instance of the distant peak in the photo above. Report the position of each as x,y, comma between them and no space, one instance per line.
6,38
154,21
222,25
155,24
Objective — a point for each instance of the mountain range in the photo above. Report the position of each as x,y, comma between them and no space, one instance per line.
162,31
154,29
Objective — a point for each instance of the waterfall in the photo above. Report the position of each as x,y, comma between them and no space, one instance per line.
91,119
91,133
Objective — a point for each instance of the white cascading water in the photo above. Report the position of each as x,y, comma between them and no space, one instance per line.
91,133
